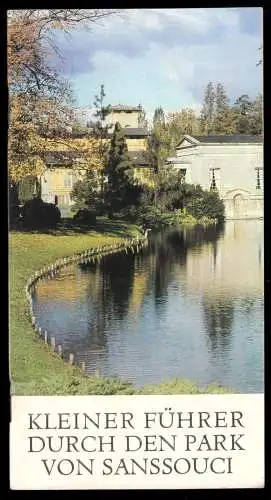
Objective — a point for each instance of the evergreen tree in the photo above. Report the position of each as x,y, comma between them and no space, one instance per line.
221,99
224,122
102,111
243,107
87,194
256,117
119,174
101,129
208,109
160,142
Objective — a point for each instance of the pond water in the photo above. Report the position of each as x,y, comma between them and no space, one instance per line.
189,305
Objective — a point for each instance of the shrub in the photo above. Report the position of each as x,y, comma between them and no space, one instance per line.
85,216
206,204
129,213
36,214
14,209
87,195
151,217
51,215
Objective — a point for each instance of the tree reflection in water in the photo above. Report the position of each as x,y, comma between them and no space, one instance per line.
128,278
218,322
188,305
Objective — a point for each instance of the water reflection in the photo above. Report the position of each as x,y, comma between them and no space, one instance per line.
218,321
189,305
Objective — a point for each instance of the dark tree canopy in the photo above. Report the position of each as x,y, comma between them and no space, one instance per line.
119,173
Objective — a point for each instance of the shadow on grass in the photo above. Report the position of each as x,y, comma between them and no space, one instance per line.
68,227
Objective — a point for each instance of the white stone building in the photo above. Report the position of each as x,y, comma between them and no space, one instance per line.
231,164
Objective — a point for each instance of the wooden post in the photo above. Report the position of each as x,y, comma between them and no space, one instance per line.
59,349
53,343
40,330
83,366
45,336
71,358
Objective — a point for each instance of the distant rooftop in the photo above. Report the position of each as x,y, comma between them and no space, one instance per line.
133,132
228,138
124,107
136,132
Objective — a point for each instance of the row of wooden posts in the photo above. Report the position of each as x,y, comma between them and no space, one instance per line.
83,258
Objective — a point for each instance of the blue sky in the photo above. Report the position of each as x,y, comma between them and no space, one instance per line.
165,57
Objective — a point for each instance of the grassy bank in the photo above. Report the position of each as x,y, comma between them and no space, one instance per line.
34,368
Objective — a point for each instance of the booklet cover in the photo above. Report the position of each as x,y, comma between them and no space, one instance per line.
136,250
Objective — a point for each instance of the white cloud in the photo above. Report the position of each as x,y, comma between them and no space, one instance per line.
232,62
194,20
132,20
166,55
103,59
144,18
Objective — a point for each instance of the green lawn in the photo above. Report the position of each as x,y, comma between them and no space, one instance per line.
34,367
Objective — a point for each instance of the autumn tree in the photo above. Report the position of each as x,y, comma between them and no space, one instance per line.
181,123
142,121
159,116
40,99
256,120
159,141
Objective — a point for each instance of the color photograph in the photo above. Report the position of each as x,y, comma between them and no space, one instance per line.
136,201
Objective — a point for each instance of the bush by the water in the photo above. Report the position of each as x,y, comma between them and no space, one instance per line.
167,201
206,204
86,217
36,214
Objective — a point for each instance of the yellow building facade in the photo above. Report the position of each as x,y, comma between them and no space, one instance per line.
65,168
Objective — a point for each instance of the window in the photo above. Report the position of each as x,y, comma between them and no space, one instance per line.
214,176
182,175
258,178
68,178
